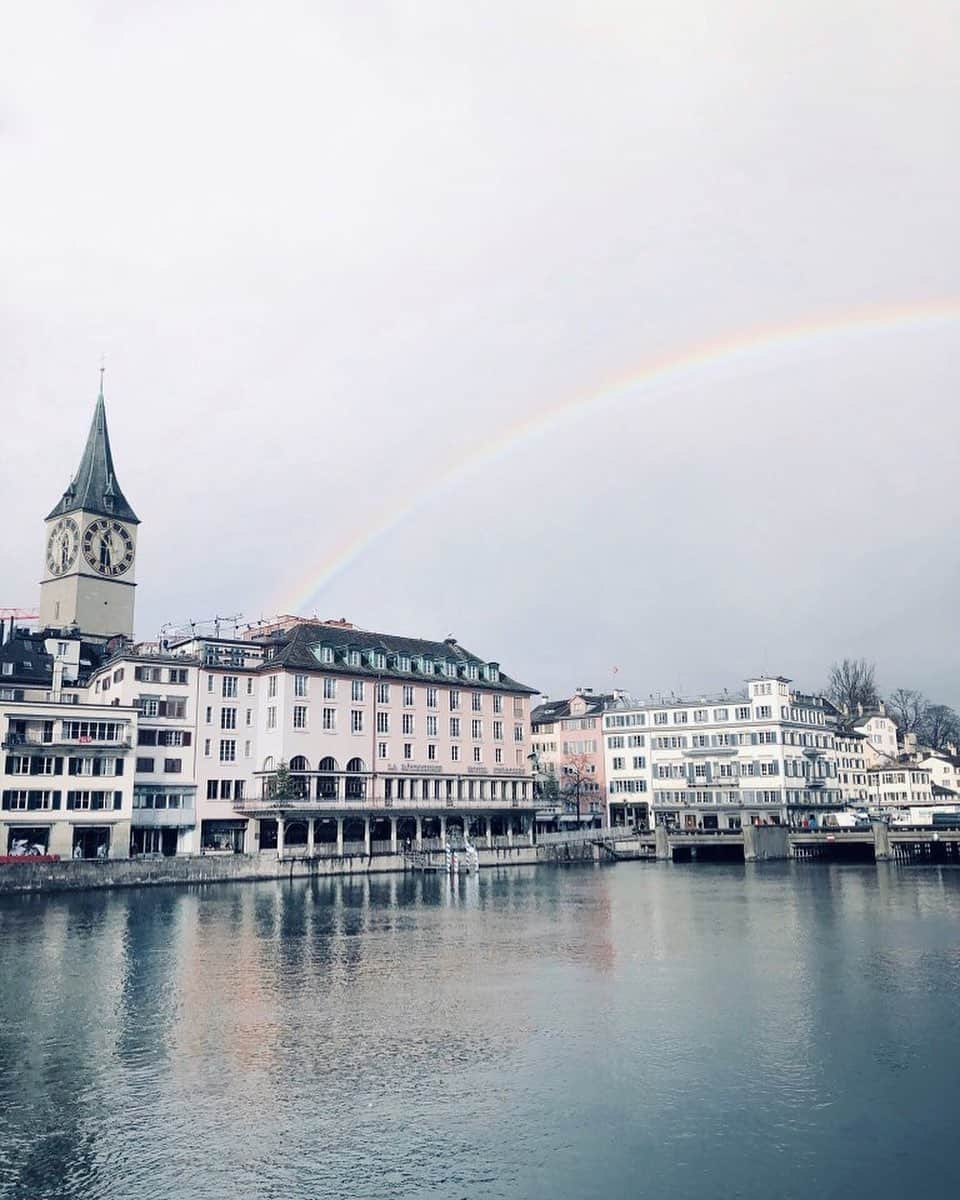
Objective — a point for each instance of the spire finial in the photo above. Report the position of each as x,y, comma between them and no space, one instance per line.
103,367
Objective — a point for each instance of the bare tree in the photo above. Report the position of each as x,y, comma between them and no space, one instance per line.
852,683
578,780
940,728
908,708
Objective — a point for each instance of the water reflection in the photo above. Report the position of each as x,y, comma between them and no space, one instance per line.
517,1033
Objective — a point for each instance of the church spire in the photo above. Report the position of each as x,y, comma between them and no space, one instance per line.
94,488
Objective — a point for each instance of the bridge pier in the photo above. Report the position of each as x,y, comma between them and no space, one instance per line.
662,839
765,843
881,841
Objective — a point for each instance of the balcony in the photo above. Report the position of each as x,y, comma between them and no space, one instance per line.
35,741
164,818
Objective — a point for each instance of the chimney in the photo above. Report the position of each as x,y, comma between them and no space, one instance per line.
57,689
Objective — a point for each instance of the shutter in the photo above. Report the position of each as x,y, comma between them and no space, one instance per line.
161,708
119,770
58,766
8,765
187,738
56,799
6,800
117,800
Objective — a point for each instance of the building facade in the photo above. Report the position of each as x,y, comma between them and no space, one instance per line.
567,742
767,755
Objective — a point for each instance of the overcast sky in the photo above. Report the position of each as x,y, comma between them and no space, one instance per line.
328,249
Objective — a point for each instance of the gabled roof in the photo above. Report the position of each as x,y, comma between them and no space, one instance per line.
94,488
295,648
558,710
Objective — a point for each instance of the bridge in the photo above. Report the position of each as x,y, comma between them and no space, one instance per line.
877,842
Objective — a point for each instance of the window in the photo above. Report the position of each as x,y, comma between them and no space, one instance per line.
618,763
229,686
383,693
299,716
517,706
432,753
383,722
209,683
498,703
476,701
299,685
208,715
211,789
228,750
246,749
383,750
432,696
518,733
177,675
224,789
228,718
478,754
660,718
764,712
454,699
680,718
407,694
742,713
272,717
356,691
144,765
454,727
249,690
408,750
329,688
454,753
356,720
498,731
476,730
206,747
249,717
172,766
329,720
431,725
639,762
408,723
326,654
498,755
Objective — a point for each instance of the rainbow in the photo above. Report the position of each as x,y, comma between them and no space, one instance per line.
689,363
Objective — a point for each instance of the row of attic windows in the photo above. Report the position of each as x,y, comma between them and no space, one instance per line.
379,660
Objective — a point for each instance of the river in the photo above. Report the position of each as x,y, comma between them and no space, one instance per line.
779,1030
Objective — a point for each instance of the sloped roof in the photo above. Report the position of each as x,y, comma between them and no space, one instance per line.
557,710
295,648
94,488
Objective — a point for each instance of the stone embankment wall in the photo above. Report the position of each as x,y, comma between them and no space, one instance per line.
70,875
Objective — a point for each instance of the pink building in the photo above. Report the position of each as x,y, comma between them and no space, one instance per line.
387,740
568,743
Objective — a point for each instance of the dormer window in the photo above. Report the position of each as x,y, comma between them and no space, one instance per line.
326,654
354,658
472,671
493,672
403,662
427,666
380,660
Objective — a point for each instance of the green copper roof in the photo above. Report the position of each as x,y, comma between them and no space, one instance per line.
94,488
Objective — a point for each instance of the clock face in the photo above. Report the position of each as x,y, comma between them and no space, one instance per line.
62,546
108,547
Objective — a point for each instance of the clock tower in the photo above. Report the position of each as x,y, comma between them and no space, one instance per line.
91,544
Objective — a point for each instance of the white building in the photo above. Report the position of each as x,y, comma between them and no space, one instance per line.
767,755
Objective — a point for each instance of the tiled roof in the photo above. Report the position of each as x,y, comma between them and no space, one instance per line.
31,663
295,648
94,488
